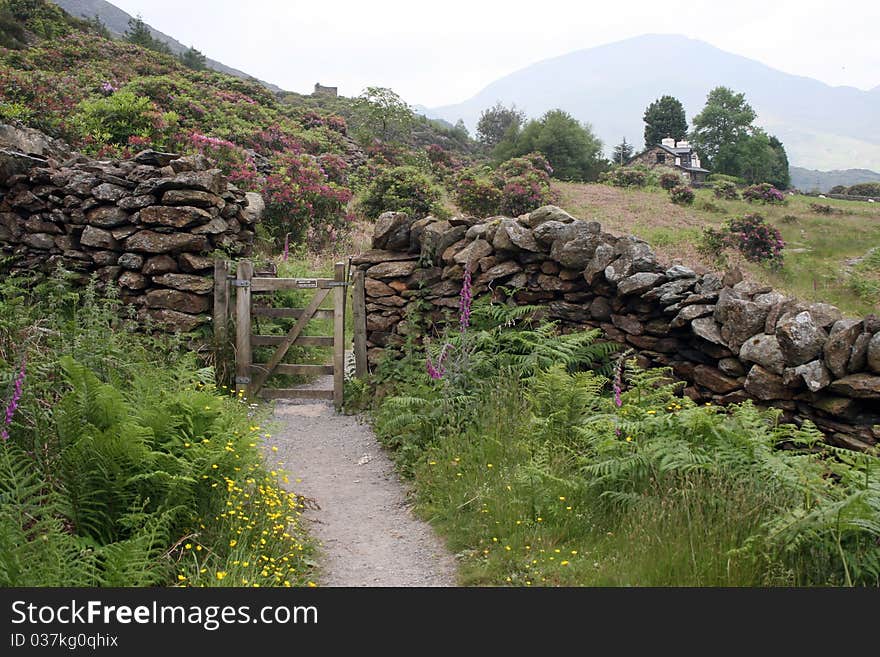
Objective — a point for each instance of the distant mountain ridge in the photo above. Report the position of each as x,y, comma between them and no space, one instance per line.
609,86
809,180
116,21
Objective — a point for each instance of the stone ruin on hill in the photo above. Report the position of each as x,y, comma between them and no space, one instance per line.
148,224
729,339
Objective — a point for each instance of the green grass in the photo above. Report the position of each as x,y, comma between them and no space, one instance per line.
817,245
537,478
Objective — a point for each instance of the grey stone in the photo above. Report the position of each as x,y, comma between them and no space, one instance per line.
174,217
619,269
40,241
838,348
147,241
502,270
764,350
107,216
160,265
639,283
549,231
470,255
743,320
109,192
252,212
731,367
800,339
680,271
133,280
765,385
706,328
858,386
548,213
596,267
628,323
193,197
176,321
575,253
824,315
688,314
131,261
511,236
186,282
873,353
136,202
392,269
600,309
184,302
814,374
711,378
392,231
858,359
98,238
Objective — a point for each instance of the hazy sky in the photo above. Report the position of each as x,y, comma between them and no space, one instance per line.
442,52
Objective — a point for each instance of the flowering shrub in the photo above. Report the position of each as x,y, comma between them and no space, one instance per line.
725,189
403,189
117,117
669,180
302,201
752,236
516,187
763,193
681,195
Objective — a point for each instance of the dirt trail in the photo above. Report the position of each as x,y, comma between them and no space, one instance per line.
368,534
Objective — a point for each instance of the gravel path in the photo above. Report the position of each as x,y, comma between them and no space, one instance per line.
367,531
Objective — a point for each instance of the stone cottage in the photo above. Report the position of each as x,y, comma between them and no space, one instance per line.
679,156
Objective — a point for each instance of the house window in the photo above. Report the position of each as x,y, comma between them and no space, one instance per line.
661,158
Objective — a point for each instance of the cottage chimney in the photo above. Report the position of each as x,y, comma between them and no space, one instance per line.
669,142
683,144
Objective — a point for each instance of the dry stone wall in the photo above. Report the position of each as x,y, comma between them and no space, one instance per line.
729,339
148,224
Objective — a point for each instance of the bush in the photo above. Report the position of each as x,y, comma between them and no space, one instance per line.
763,193
303,201
838,189
790,219
116,118
625,177
724,189
820,208
681,195
669,180
865,189
518,186
401,189
752,236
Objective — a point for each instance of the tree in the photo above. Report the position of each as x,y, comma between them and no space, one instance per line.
570,147
725,120
193,59
139,34
381,114
97,26
622,152
664,118
496,122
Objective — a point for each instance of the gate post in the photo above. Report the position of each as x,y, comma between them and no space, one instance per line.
339,294
359,316
243,357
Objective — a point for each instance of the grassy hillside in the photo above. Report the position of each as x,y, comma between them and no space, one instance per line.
821,246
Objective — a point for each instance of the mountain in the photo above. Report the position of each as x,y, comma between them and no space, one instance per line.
116,21
822,127
809,180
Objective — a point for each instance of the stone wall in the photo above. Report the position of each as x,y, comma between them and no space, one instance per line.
730,339
148,224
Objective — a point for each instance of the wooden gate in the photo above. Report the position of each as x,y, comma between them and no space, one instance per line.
250,377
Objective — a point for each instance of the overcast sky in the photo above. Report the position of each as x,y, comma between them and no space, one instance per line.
442,52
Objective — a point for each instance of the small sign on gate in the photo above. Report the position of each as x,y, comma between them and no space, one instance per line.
307,283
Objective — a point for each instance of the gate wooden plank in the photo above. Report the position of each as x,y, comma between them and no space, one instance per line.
359,311
291,336
339,294
303,340
275,284
221,302
243,327
288,368
295,393
295,313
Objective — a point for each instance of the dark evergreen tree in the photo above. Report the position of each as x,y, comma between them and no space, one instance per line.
664,118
